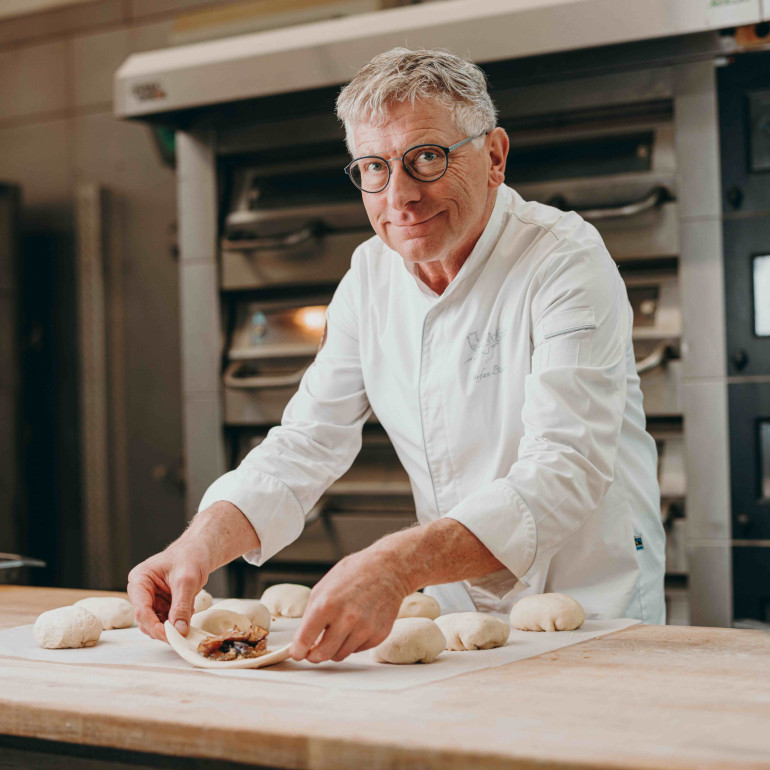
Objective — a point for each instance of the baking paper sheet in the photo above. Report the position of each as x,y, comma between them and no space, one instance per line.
129,646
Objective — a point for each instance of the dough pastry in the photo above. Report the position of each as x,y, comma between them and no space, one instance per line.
217,621
113,611
411,640
287,600
473,631
547,612
419,606
203,600
67,627
252,608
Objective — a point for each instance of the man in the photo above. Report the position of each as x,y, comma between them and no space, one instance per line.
492,338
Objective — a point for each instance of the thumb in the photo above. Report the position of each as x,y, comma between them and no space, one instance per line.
182,601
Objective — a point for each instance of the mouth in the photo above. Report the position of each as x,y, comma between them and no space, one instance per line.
409,225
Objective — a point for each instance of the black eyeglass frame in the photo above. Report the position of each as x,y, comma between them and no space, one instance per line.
387,162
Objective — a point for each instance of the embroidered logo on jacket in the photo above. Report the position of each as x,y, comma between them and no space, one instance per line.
484,353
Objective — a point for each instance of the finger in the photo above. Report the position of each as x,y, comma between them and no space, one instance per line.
146,618
355,639
333,638
184,587
141,597
372,641
161,607
306,636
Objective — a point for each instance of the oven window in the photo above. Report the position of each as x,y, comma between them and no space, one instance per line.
764,457
761,280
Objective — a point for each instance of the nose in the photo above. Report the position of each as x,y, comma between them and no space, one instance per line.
402,188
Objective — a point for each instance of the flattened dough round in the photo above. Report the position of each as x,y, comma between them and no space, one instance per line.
287,600
67,627
547,612
113,611
419,606
203,600
217,621
473,631
252,608
412,640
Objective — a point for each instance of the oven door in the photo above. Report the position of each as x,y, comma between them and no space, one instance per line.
271,346
291,228
657,335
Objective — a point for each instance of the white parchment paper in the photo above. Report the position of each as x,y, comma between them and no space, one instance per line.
129,647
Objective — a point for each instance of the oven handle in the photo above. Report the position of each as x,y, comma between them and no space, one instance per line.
232,380
656,197
9,560
288,240
659,357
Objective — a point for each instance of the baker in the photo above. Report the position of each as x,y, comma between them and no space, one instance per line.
491,337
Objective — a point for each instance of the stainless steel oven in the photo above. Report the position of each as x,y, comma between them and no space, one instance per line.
625,134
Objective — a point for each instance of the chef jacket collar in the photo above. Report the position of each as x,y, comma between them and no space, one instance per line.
478,256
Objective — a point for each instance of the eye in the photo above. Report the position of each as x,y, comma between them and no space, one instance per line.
374,167
427,156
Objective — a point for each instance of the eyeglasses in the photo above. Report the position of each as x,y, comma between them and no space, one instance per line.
424,162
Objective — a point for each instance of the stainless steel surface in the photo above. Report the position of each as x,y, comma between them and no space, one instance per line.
707,462
703,346
201,326
711,601
233,377
652,200
280,232
666,240
101,536
325,54
660,356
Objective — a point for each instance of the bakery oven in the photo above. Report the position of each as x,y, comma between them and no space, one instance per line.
618,122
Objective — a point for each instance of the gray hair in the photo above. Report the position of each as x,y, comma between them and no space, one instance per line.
403,75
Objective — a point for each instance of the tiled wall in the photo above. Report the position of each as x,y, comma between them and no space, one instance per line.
57,129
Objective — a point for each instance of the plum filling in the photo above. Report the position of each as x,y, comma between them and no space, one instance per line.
234,644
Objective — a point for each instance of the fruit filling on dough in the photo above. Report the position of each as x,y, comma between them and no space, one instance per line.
234,644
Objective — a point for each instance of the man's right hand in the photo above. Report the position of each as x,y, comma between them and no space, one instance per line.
164,587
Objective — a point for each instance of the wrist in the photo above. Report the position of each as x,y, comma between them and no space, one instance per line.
396,554
220,533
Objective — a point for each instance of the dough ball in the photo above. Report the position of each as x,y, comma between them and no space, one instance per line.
113,611
419,606
547,612
67,627
473,631
287,600
203,600
412,640
217,621
252,608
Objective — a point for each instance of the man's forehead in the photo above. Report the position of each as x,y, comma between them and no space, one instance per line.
403,128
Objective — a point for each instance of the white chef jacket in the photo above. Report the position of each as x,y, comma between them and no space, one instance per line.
512,401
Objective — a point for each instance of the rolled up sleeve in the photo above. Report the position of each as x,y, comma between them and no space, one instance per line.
572,416
279,482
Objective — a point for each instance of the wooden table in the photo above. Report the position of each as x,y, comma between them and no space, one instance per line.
646,697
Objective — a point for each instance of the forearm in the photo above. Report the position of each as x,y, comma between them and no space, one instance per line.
223,532
443,551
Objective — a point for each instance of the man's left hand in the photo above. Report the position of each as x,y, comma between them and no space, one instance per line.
352,608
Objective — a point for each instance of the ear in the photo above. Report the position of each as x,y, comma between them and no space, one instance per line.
497,146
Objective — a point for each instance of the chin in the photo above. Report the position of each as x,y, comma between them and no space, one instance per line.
412,251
